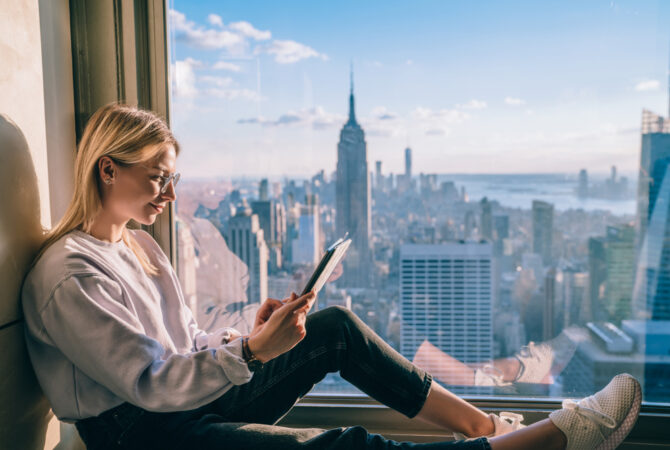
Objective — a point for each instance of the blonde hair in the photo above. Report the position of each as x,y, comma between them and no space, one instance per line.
126,134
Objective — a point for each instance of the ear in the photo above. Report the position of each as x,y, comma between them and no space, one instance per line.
107,168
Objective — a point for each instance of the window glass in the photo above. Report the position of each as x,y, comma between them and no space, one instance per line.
502,170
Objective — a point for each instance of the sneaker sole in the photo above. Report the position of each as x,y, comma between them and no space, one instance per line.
616,438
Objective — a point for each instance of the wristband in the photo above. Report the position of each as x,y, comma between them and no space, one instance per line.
253,363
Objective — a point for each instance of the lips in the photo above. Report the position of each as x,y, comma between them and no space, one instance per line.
157,207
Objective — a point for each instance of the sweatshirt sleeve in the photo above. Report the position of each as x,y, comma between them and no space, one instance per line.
203,340
88,322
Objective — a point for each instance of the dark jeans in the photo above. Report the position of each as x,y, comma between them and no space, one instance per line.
244,417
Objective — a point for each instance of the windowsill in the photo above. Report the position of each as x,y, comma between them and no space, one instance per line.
336,410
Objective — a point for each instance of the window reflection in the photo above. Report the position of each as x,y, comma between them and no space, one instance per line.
545,282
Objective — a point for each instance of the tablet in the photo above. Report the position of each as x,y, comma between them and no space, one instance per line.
334,254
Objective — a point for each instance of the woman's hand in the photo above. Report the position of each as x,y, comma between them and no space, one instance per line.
282,329
265,311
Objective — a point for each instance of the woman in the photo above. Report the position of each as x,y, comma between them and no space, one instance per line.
118,353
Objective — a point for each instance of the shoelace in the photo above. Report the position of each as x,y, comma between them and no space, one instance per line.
495,374
513,419
526,351
585,408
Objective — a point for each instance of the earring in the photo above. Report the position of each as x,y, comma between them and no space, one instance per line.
108,181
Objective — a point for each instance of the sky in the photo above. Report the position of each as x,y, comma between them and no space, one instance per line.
260,88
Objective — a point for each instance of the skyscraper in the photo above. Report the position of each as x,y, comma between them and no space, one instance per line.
352,199
408,164
245,239
651,291
263,190
500,233
550,307
446,298
651,297
379,180
272,219
620,260
486,220
306,246
543,229
597,278
654,158
583,187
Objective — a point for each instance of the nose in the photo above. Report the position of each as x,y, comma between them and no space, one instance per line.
169,194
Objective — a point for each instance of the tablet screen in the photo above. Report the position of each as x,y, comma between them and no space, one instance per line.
327,265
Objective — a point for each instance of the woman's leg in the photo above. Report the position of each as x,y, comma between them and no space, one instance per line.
442,366
444,409
543,434
337,340
449,370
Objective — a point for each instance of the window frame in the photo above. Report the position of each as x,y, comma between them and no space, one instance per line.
140,51
336,410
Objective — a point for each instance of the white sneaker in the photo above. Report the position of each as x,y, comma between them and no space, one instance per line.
537,361
503,424
489,376
603,420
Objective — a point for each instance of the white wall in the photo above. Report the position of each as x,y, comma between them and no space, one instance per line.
36,153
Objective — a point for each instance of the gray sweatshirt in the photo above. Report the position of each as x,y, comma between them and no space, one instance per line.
101,332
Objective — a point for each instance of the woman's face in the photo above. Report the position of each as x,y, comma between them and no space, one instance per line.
135,192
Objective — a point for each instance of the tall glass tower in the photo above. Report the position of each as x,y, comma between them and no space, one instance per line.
352,200
446,298
652,286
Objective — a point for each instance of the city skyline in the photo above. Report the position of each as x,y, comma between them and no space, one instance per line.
253,86
470,267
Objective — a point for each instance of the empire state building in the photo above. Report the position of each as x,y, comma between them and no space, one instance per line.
352,200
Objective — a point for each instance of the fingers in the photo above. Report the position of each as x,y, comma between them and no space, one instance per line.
291,298
299,302
268,308
274,304
307,305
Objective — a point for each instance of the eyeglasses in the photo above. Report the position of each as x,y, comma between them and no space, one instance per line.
165,181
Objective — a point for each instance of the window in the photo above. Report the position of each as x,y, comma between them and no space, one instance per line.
489,162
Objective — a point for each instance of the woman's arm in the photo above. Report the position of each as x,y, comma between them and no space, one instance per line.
203,340
87,321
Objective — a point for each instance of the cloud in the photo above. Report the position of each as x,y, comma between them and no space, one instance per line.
474,104
379,123
238,38
287,52
541,139
205,38
648,85
251,120
248,30
215,20
233,94
437,122
287,119
217,81
184,77
316,118
224,65
381,113
409,62
448,116
512,101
